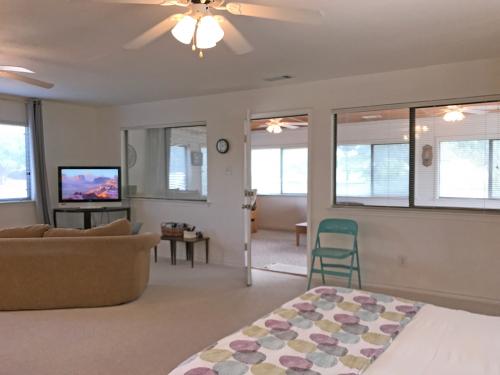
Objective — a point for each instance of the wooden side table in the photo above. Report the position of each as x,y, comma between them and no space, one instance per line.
300,228
189,248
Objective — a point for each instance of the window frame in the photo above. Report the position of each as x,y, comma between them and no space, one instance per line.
27,140
125,142
412,107
281,148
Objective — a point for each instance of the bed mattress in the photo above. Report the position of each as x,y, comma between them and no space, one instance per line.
324,331
445,342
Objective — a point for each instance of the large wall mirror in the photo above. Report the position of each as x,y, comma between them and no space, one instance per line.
166,162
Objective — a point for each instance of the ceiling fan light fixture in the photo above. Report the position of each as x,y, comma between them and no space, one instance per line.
453,116
274,129
185,29
208,33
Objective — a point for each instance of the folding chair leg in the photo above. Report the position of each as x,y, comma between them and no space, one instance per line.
359,270
311,273
350,272
322,270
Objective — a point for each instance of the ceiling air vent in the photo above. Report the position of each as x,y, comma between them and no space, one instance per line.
278,78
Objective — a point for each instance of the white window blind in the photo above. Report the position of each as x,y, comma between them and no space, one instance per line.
14,162
391,170
495,170
177,177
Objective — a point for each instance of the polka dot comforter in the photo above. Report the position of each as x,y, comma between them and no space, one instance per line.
335,331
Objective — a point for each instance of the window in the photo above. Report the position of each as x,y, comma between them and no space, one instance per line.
294,170
279,171
372,170
372,158
437,156
354,171
169,163
178,168
14,162
463,168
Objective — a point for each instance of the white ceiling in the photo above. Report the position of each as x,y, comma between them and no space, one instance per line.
77,45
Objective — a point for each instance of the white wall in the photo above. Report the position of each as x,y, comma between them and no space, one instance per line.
280,212
74,135
442,252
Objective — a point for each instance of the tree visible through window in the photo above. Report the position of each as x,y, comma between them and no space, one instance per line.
14,161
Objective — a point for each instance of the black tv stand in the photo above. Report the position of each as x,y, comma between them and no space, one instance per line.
87,213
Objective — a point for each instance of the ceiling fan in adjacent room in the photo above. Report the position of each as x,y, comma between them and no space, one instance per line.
17,73
202,30
454,113
276,125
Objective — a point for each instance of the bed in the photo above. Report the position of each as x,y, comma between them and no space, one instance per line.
341,331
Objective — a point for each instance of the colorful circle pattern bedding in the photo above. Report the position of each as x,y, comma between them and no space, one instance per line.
334,331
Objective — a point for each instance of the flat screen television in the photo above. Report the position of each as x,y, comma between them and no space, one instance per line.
89,184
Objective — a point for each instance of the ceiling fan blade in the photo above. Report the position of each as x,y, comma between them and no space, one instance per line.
291,127
16,69
233,38
473,111
154,33
275,13
29,81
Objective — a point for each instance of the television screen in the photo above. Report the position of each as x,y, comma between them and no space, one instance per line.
89,184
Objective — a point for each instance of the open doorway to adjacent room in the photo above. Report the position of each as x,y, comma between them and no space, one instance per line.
279,170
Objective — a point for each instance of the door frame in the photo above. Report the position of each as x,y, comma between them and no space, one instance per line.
289,113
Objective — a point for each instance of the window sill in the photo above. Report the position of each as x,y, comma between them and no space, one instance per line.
17,201
283,195
174,201
420,210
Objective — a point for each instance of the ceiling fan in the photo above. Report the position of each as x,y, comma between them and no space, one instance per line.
200,28
276,125
17,73
454,113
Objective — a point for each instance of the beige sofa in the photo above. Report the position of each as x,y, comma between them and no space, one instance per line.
64,272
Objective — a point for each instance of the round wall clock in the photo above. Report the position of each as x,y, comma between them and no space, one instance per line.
222,146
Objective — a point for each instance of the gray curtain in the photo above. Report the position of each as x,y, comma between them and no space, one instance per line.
156,171
39,171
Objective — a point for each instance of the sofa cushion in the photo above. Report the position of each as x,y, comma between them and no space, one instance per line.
30,231
120,227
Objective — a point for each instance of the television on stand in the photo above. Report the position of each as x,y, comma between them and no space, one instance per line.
89,184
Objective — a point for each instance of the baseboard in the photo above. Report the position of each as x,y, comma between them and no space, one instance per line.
474,304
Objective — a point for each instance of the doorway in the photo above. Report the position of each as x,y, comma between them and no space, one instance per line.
279,175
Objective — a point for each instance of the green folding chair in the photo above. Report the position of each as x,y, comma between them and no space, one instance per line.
336,226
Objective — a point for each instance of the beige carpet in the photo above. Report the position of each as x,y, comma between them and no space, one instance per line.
275,250
182,311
